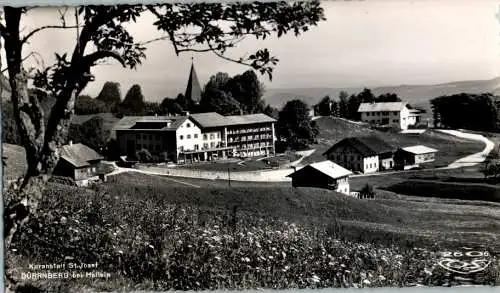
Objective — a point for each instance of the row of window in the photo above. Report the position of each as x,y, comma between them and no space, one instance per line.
147,136
250,137
155,147
205,136
384,113
379,121
237,131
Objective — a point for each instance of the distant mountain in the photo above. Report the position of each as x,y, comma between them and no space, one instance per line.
416,95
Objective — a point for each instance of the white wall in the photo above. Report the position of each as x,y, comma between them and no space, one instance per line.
370,164
213,139
343,186
188,135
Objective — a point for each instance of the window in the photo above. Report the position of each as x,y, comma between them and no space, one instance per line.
212,136
188,125
352,158
205,145
181,148
196,135
137,136
138,146
189,136
93,169
150,147
196,147
204,137
368,114
150,137
144,136
181,137
218,134
212,144
157,147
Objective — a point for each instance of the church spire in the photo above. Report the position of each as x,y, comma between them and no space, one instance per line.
193,89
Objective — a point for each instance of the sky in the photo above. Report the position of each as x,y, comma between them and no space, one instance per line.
362,43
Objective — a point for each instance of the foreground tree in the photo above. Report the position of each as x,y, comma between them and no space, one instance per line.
103,35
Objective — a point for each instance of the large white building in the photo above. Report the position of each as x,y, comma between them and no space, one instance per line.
394,114
197,137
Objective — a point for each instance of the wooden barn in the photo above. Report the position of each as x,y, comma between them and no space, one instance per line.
325,174
413,156
79,162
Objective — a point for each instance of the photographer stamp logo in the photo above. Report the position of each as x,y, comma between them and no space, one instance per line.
466,261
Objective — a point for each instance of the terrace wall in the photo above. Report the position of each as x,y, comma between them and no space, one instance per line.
253,176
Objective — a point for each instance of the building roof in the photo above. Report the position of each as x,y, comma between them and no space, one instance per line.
328,168
209,119
249,119
419,149
365,145
381,107
213,119
193,88
150,122
79,155
203,120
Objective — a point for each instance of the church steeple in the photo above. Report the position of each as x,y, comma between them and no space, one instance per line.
193,89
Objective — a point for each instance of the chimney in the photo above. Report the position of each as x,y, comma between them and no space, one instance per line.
294,169
156,115
70,143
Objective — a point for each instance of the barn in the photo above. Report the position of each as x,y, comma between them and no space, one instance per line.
325,174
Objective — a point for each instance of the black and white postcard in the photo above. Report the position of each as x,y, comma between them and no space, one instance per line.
251,145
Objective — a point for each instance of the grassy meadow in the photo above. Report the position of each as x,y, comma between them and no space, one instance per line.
152,233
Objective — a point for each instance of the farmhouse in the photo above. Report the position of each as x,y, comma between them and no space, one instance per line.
197,137
413,156
394,114
365,154
324,174
79,162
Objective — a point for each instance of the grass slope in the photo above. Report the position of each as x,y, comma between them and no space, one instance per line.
385,220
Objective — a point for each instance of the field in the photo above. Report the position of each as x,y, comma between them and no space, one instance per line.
154,233
451,148
248,164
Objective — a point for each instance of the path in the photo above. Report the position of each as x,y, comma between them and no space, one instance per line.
280,174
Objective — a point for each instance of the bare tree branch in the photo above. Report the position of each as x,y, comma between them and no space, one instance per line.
30,34
92,58
24,59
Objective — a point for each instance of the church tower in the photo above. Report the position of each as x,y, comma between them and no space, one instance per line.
193,89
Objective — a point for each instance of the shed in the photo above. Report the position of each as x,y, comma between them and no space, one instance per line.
325,174
413,156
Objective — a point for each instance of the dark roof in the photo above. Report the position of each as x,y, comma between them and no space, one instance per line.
150,122
193,89
213,119
365,145
79,155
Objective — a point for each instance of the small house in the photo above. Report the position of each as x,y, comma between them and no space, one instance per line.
79,162
365,154
325,174
413,156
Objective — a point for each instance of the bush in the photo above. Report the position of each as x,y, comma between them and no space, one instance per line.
144,156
